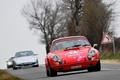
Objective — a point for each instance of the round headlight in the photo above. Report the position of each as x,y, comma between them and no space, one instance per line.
56,58
9,62
92,53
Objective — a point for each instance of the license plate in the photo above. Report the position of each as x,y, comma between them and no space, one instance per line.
76,67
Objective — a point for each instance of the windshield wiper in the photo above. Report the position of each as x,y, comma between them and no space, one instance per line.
75,46
86,45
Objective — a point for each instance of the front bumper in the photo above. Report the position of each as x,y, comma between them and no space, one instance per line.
27,64
74,66
9,66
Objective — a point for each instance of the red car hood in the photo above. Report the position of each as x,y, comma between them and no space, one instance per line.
74,54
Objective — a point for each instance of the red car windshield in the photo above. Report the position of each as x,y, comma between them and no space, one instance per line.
69,43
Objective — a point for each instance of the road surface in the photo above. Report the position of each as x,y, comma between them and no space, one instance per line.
108,72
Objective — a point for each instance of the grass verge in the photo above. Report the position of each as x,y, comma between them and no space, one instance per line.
112,58
110,55
5,76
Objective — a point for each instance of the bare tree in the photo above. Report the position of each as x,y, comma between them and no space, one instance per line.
73,9
96,19
46,16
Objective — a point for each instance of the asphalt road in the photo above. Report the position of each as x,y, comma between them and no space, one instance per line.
108,72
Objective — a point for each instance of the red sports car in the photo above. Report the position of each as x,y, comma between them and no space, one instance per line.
72,53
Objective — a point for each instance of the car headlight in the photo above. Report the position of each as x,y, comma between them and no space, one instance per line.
92,53
56,58
9,62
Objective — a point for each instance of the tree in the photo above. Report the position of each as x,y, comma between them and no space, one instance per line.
96,19
43,16
73,9
117,42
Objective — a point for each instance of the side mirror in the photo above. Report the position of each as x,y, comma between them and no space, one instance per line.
95,45
12,57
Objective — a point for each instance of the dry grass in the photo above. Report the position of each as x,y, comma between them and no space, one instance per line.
5,76
110,58
111,61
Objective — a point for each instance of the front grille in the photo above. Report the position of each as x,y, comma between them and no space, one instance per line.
26,64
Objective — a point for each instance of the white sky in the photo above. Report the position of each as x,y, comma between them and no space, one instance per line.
15,35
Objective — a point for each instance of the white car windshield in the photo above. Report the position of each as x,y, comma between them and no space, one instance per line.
24,53
64,44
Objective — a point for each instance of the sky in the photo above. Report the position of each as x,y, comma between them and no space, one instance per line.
15,34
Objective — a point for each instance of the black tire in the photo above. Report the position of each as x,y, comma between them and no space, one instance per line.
47,73
14,68
50,72
95,68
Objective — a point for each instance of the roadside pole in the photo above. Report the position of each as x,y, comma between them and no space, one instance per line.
114,46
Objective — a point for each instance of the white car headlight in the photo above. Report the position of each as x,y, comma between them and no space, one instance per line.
56,58
92,53
9,62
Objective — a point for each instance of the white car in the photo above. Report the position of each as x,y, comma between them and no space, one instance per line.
25,58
